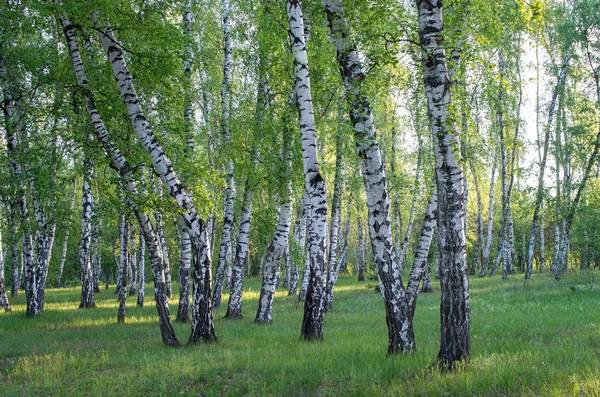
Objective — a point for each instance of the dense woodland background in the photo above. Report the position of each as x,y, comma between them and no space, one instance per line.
212,168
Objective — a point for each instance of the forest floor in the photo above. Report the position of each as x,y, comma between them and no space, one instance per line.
533,338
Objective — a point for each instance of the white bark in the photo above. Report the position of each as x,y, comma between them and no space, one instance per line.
312,324
455,321
125,171
63,255
229,195
400,333
488,240
85,263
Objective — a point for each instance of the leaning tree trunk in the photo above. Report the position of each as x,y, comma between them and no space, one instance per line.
87,276
125,171
63,255
278,244
202,318
230,190
454,310
400,335
312,323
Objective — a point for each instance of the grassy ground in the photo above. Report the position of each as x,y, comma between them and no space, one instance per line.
527,338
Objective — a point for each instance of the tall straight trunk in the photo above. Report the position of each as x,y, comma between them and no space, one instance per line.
4,303
132,261
16,254
226,136
479,243
183,310
362,262
396,218
488,240
454,311
279,242
540,188
162,240
97,254
312,323
124,258
87,276
556,256
202,318
125,171
400,332
335,213
67,226
305,276
141,271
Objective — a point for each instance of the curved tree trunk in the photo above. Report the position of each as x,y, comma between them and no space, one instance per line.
125,171
400,335
202,319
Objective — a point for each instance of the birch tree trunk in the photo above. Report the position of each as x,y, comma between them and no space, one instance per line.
479,243
63,255
132,261
400,333
97,254
16,254
141,271
362,262
488,240
540,188
278,243
335,213
125,171
202,318
312,324
299,245
123,249
230,190
183,310
87,276
4,303
455,322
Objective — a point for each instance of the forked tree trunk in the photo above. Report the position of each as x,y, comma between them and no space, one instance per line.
312,324
454,310
85,249
63,255
125,171
202,318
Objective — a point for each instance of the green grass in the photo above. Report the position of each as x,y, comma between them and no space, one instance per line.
527,338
